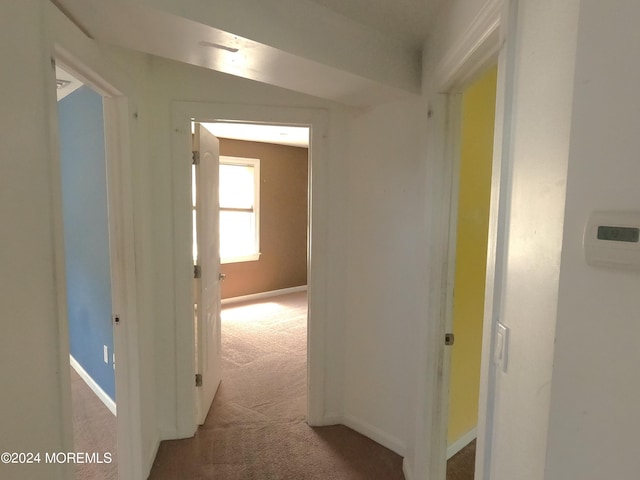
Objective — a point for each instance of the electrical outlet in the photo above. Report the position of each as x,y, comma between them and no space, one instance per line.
106,354
114,361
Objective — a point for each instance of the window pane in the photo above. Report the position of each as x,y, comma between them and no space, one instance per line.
236,186
237,234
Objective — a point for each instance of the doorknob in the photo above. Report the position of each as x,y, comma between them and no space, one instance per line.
222,276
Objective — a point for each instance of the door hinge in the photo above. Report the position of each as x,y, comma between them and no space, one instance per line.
198,379
195,157
197,271
449,339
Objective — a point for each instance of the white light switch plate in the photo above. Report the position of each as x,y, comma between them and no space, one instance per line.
501,347
106,354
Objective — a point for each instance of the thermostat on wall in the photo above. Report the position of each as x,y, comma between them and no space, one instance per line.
612,239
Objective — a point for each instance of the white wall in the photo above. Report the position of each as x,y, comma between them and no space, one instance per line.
30,185
542,78
594,423
37,392
374,195
543,82
375,226
33,407
301,27
171,81
454,19
384,270
376,290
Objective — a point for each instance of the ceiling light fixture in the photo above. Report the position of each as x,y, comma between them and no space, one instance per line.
219,46
62,83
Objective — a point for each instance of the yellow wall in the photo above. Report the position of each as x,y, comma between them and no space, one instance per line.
471,253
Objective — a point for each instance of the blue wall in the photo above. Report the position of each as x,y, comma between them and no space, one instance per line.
84,196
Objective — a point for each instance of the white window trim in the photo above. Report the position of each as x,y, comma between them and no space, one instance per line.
255,163
245,258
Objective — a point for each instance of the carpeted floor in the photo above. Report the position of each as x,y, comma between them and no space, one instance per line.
462,465
256,427
94,431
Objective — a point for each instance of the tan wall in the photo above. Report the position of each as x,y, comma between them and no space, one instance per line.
283,220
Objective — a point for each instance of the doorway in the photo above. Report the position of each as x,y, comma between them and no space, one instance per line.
88,277
471,240
264,190
264,243
108,186
490,40
264,316
183,113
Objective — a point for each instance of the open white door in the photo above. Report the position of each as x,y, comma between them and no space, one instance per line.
207,286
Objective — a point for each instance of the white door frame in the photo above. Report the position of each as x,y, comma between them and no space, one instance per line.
182,115
489,38
122,264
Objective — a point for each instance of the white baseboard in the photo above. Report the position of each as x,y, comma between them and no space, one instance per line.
462,442
175,434
406,469
375,434
261,295
152,457
91,383
331,419
367,430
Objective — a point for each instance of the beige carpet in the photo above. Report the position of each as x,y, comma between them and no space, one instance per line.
256,427
462,465
94,431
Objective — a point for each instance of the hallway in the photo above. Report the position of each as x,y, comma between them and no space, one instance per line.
256,427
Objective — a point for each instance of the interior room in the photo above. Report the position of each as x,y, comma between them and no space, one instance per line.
88,276
377,83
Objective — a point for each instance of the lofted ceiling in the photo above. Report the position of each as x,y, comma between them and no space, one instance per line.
278,134
356,52
407,20
289,135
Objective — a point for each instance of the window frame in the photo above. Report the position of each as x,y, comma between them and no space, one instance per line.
255,164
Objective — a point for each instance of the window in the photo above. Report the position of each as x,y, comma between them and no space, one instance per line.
239,209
